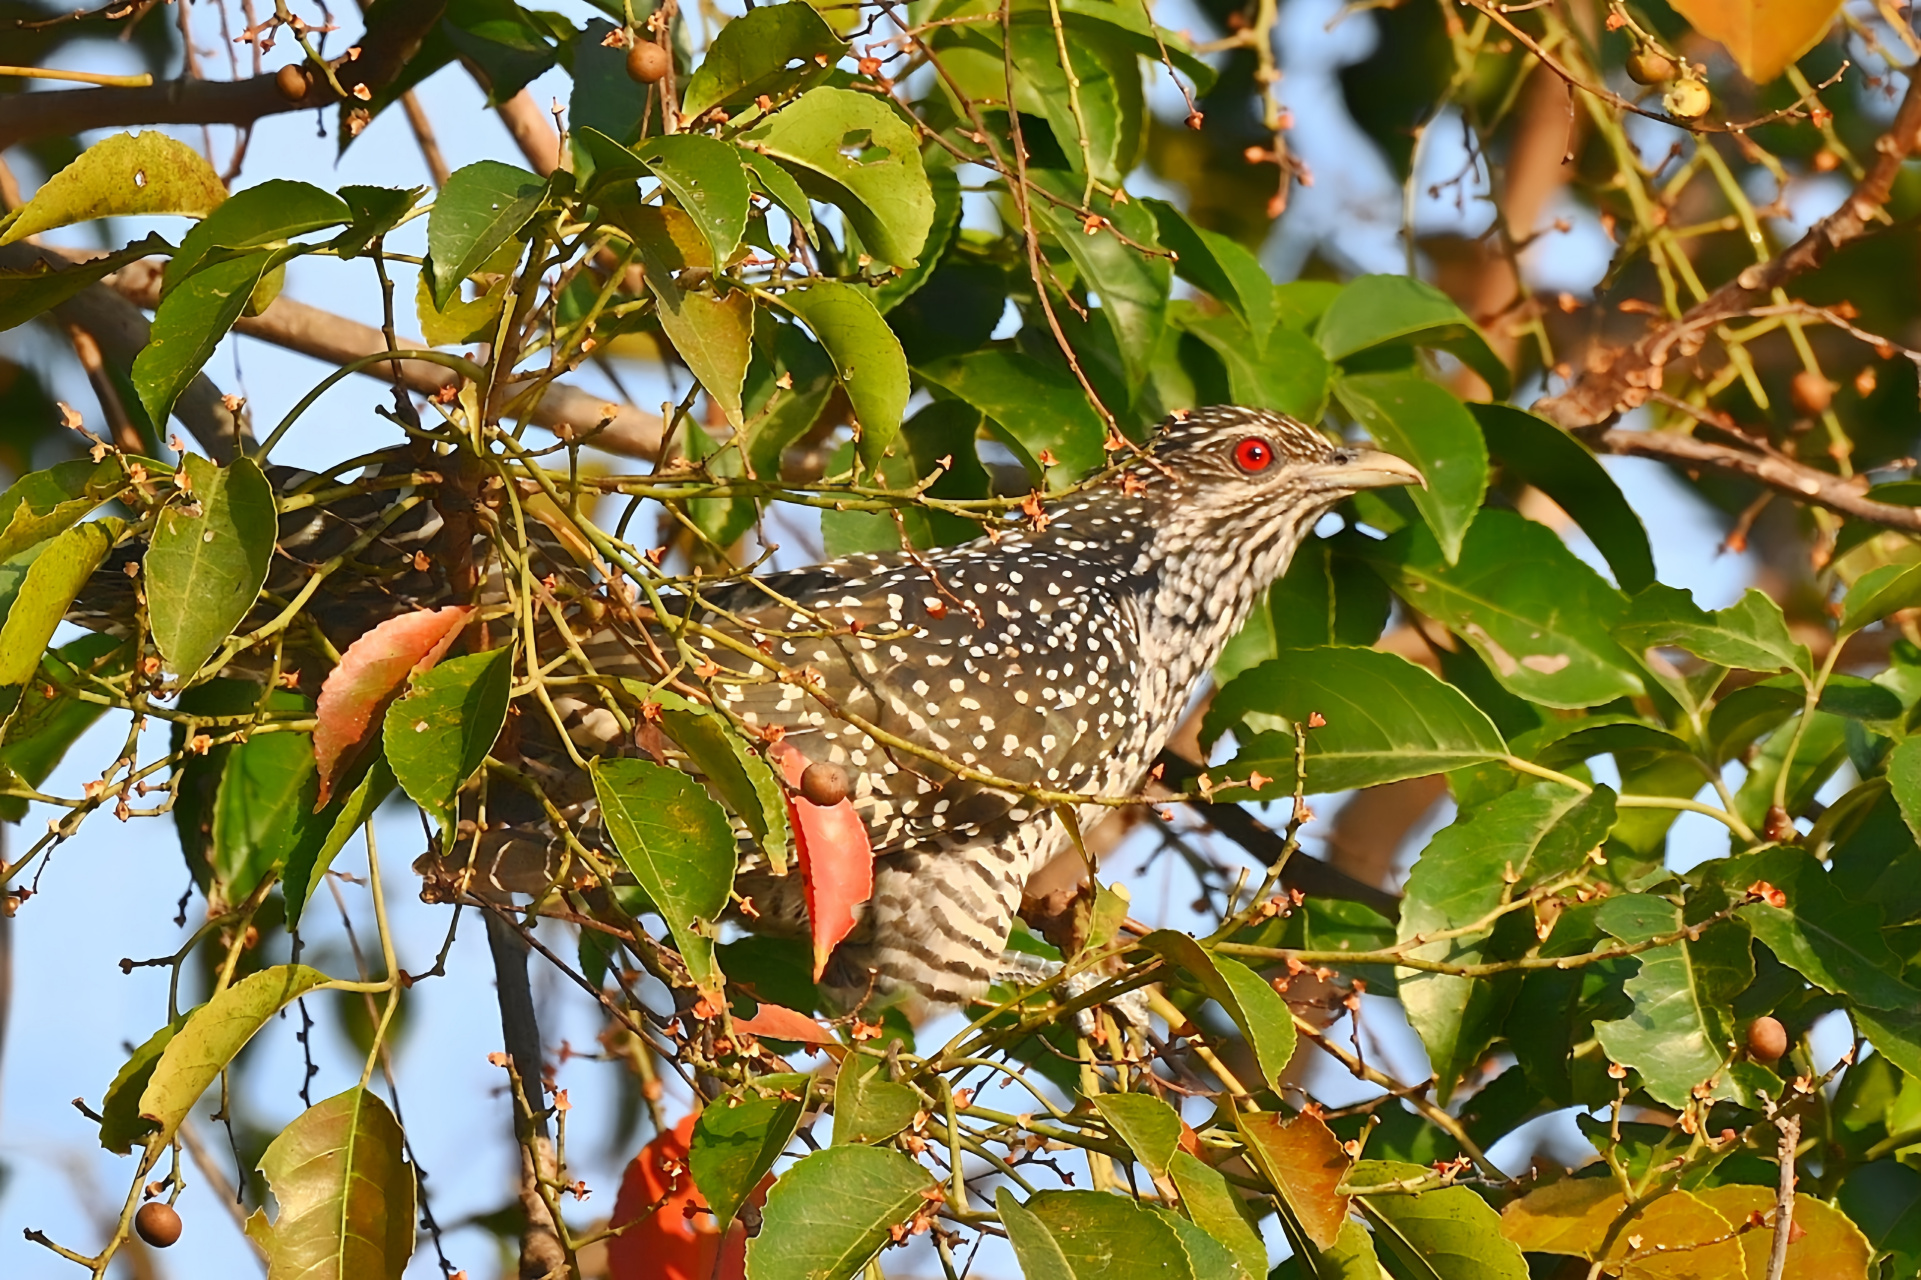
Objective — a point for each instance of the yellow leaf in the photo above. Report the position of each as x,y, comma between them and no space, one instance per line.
1765,37
122,176
1832,1249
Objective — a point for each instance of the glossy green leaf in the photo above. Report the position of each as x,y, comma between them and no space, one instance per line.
1132,283
35,290
944,182
1535,613
1215,1206
213,1035
1679,1032
482,207
190,323
738,1136
266,214
308,863
867,357
1288,375
731,767
1833,943
124,175
345,1194
678,844
1527,837
1536,452
47,591
439,732
1378,311
749,56
1096,138
1150,1128
1090,1235
831,1212
374,211
1035,406
1246,997
779,186
853,151
1819,751
1220,265
121,1127
937,442
1750,635
869,1107
1386,719
208,558
1904,777
263,810
41,504
705,175
1423,422
1448,1233
1351,1258
1878,593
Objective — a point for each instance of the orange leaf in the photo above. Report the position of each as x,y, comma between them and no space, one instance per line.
678,1239
1765,37
1304,1161
836,860
369,676
777,1022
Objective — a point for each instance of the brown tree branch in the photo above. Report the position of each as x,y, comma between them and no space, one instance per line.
1623,379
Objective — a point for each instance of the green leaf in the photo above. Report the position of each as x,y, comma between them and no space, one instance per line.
1448,1233
1090,1235
209,558
1750,635
1351,1258
1679,1031
853,151
49,722
1535,613
482,207
943,431
831,1211
375,211
749,56
190,323
308,864
439,732
1220,265
39,288
738,1136
679,846
1533,450
1833,943
1256,1008
1883,1198
346,1193
1216,1208
263,810
1878,593
1527,837
267,214
745,781
1132,284
705,175
48,590
1904,777
1035,407
1424,423
1379,311
126,175
1387,719
1099,137
507,45
41,504
868,1106
213,1035
121,1127
866,354
944,182
1150,1128
714,335
779,186
1289,375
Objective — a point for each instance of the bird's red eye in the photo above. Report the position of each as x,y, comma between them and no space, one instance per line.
1253,454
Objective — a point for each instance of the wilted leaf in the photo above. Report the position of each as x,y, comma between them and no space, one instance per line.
738,1136
345,1191
1302,1159
125,175
776,1022
1764,37
368,677
439,731
832,1210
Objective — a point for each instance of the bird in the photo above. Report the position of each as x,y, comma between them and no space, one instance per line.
1057,652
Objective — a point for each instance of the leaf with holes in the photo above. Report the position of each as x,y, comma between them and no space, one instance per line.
439,732
126,175
369,677
345,1193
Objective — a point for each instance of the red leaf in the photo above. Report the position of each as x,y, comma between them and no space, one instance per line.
669,1242
836,860
775,1022
368,677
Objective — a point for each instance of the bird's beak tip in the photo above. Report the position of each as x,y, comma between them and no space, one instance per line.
1377,469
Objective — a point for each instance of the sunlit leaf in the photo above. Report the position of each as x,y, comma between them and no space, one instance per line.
368,677
1764,37
124,175
1378,311
1245,996
738,1137
482,207
867,357
1303,1160
438,732
1448,1233
751,56
345,1193
831,1211
868,1106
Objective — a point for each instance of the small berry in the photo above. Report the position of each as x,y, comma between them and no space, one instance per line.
1811,393
157,1224
647,62
1767,1039
824,784
1688,99
1646,66
292,82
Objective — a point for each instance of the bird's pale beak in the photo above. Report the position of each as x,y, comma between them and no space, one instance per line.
1372,469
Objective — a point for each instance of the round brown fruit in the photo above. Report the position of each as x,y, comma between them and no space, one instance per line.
824,784
1767,1039
157,1224
647,62
291,82
1646,66
1811,393
1688,99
